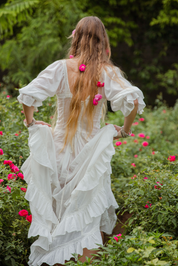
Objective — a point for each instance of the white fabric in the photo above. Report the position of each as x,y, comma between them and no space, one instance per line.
70,192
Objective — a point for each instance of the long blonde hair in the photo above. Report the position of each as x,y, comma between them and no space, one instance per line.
90,45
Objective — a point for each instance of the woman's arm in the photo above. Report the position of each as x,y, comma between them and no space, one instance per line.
28,112
128,120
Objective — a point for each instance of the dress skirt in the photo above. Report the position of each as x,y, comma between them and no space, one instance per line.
70,199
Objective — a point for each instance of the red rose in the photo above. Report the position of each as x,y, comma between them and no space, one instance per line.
29,218
23,213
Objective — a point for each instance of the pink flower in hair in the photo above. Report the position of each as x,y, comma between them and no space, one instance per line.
98,97
82,67
71,56
95,102
100,84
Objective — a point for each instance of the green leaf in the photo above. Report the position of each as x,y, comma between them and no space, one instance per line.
130,250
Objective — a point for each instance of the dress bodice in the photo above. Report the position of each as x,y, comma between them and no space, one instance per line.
53,80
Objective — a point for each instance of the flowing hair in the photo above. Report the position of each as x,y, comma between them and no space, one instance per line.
90,45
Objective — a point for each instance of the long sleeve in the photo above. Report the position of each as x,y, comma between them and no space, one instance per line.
122,95
46,84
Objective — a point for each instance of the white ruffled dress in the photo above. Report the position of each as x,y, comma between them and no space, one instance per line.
70,192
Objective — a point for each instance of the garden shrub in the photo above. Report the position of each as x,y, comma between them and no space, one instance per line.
138,248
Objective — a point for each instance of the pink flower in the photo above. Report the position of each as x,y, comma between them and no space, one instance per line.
145,143
135,140
73,32
150,204
7,162
147,137
159,185
95,102
23,213
172,158
14,168
116,238
164,111
98,97
11,165
29,218
141,135
153,152
82,67
8,96
100,84
132,135
135,124
22,112
8,188
145,177
118,143
1,133
133,164
23,189
142,119
124,142
11,176
16,134
1,152
71,56
146,206
120,236
135,155
135,176
20,175
1,180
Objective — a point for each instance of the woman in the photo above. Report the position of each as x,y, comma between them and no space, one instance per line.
68,170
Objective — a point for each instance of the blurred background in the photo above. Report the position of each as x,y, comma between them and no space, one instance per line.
143,37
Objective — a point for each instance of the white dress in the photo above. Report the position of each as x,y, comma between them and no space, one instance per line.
70,192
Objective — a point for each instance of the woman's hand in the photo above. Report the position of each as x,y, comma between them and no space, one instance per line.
42,123
118,128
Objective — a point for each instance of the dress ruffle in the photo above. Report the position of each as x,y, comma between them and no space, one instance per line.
90,205
65,251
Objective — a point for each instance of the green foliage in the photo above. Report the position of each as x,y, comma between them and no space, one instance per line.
131,190
139,248
168,15
14,245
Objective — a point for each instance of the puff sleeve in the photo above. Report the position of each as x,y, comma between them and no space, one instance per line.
122,97
46,84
